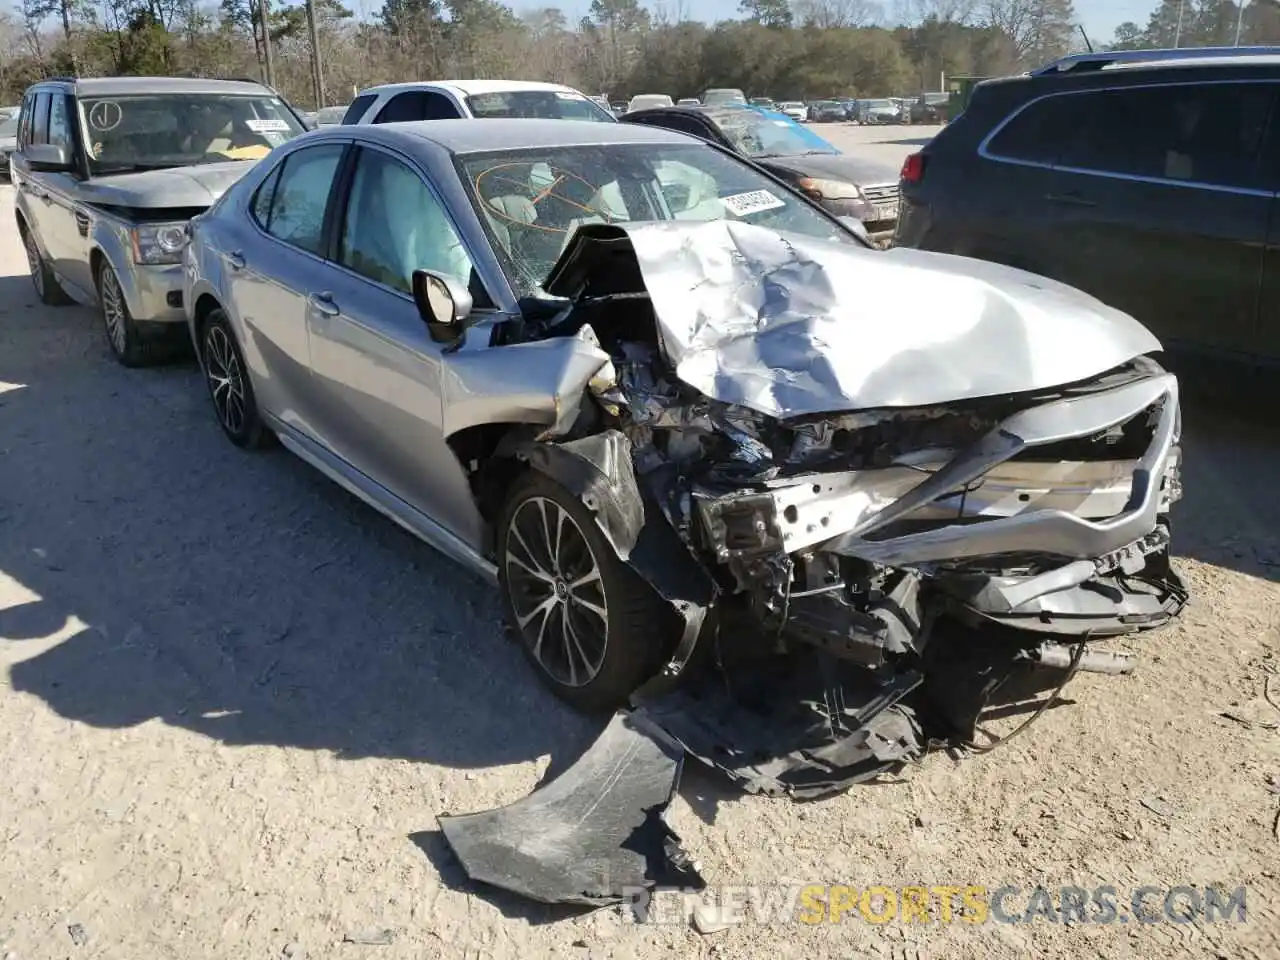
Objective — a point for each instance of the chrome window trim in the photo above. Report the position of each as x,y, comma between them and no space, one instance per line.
985,153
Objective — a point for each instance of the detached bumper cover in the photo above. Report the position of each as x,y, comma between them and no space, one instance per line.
593,836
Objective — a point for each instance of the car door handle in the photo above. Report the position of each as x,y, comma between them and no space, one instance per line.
235,260
1069,200
323,303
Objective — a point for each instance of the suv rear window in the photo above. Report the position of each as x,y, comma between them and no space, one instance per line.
1035,134
1207,134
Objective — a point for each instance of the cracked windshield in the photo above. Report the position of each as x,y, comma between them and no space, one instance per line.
533,200
126,134
762,136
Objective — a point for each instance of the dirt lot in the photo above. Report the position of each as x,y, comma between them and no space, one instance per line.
233,700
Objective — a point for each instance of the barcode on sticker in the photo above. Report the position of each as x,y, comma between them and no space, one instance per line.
744,204
267,126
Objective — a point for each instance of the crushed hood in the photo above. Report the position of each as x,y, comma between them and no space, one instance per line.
788,325
195,186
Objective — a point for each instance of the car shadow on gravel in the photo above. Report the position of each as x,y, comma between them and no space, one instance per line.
241,596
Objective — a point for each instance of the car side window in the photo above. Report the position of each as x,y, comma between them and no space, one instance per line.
358,108
261,205
394,225
299,196
59,122
417,105
1035,134
40,120
1209,134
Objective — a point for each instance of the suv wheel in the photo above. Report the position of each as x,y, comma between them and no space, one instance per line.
122,333
42,278
593,629
229,387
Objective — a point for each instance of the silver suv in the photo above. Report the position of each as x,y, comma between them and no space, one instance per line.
108,172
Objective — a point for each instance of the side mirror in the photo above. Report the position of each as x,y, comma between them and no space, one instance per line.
48,157
856,226
443,303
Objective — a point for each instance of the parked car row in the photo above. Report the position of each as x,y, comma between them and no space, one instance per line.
846,186
659,388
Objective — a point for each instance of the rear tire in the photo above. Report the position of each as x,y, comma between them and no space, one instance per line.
230,389
592,629
47,287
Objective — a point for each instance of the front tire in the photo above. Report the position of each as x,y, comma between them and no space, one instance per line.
592,629
47,287
227,377
123,338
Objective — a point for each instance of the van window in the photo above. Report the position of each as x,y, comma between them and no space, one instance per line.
1207,134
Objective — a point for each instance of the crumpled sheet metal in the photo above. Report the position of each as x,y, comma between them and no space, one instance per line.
789,325
594,835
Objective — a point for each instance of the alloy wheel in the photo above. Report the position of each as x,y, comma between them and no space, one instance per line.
226,380
556,592
34,263
113,311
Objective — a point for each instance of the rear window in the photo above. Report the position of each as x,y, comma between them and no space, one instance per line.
544,104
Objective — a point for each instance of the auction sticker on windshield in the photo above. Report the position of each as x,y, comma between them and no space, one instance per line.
267,126
745,204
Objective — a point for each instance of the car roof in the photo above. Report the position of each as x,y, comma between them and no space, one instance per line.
1184,56
468,88
475,136
122,86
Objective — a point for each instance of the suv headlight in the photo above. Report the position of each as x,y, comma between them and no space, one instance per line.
159,243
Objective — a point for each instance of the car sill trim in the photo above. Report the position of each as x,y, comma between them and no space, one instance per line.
383,500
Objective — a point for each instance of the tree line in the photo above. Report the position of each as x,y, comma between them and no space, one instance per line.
798,49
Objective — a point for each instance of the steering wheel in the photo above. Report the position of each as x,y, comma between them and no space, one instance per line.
559,178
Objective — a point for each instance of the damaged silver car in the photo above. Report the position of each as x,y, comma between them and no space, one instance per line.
801,507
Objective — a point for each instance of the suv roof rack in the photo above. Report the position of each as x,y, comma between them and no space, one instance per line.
1185,55
58,80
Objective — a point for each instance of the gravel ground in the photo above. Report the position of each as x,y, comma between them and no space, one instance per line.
233,701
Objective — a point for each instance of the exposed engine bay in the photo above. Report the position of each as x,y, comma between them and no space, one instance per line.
860,568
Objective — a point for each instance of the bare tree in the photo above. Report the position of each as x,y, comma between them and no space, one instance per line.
944,11
1039,30
838,13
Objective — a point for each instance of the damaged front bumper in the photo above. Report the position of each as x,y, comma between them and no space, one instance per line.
1005,535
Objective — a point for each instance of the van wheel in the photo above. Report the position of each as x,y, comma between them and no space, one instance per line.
47,287
591,627
122,333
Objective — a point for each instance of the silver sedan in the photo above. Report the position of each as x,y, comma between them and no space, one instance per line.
661,398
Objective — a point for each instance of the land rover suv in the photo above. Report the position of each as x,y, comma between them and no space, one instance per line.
1146,178
108,172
